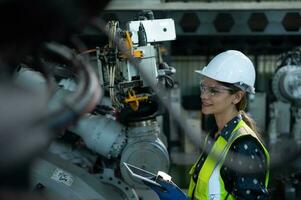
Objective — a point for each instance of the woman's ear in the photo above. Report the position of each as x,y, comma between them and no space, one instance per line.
237,97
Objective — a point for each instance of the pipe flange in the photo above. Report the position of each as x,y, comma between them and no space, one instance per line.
279,87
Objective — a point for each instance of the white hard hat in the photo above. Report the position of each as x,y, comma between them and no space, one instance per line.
231,67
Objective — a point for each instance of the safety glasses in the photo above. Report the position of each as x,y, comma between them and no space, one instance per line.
213,90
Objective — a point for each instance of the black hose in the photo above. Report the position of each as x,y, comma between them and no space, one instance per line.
84,99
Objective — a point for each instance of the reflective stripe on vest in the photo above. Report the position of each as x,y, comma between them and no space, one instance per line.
210,184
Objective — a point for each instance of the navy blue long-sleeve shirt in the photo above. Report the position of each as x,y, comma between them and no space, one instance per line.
250,183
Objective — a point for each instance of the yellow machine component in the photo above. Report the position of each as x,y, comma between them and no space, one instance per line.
129,48
128,40
138,54
134,100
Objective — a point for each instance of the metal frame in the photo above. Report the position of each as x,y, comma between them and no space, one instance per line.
207,21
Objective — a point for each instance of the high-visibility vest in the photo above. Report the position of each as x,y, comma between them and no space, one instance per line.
210,184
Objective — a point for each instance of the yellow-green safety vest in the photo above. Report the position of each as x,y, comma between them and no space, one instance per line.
209,174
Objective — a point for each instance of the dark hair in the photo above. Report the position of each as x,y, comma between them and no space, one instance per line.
241,106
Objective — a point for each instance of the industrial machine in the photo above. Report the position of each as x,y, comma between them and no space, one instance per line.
285,123
286,86
85,160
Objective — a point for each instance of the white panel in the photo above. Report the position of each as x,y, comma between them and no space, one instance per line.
156,30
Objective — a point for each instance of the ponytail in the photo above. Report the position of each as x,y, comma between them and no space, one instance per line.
241,106
249,121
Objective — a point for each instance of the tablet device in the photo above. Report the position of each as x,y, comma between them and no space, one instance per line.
142,174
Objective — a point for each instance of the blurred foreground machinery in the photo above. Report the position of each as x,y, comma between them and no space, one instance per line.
26,126
285,124
85,161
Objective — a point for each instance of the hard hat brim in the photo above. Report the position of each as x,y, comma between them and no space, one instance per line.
199,72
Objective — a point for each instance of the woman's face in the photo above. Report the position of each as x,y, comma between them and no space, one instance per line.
215,98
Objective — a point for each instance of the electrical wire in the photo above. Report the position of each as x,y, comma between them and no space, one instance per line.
87,51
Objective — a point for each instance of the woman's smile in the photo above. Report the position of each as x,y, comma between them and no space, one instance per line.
206,104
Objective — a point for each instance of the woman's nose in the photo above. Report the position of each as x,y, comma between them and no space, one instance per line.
204,94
